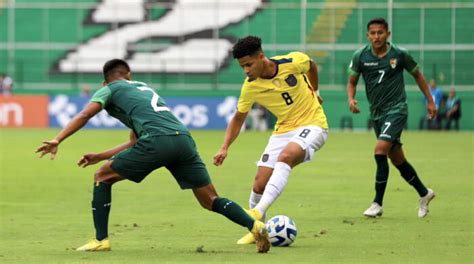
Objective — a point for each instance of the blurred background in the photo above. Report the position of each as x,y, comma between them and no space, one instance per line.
51,53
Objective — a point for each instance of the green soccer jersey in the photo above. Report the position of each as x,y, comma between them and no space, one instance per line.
138,107
383,77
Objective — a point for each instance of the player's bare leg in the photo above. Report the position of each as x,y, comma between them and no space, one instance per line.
261,179
206,195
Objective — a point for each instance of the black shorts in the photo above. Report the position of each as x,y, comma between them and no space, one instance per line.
390,127
177,153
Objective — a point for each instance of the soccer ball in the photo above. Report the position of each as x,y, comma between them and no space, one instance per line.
282,230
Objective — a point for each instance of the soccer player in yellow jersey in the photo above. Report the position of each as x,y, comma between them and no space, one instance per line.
288,87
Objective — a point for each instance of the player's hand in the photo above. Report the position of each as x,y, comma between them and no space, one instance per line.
50,146
320,99
431,108
220,157
353,106
89,159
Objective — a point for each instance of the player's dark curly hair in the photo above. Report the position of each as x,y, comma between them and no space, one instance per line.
115,66
378,20
247,46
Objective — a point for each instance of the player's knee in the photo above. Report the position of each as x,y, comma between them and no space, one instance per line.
286,158
381,151
293,156
99,175
383,147
102,175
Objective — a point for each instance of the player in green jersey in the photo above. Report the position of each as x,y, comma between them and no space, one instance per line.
157,139
381,64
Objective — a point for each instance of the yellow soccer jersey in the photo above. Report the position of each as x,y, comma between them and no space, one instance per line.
287,95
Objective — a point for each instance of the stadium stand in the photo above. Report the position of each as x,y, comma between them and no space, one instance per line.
182,47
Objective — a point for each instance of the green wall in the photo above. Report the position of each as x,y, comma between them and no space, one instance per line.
33,68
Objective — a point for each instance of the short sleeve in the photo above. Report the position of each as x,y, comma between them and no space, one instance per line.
409,63
245,99
301,61
354,65
102,96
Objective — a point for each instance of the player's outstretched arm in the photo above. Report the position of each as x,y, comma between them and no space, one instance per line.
51,146
351,92
231,133
421,81
93,158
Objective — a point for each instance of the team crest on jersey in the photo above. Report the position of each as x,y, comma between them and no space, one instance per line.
393,63
265,157
291,80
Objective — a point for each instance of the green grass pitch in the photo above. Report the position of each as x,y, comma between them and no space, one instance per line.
45,205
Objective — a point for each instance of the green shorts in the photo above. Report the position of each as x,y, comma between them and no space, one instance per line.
390,127
177,153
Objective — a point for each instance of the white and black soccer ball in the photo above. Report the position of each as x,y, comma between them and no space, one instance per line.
282,230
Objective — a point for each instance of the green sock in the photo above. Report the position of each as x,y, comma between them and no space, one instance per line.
409,174
381,178
101,203
232,211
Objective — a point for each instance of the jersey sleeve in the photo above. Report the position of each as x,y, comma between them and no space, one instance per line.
245,99
408,62
301,61
102,96
354,65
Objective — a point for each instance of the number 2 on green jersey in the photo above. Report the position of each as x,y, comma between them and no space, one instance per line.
154,99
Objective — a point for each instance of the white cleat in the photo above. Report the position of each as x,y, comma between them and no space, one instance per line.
374,210
424,202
